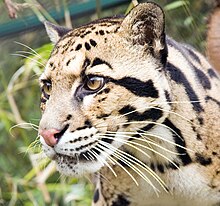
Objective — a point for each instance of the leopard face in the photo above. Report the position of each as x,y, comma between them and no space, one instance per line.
100,80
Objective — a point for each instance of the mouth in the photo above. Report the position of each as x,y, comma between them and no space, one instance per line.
77,164
83,157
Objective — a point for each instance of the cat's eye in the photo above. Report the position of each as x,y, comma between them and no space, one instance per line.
47,88
94,83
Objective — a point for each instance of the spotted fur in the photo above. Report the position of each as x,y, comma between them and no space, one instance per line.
123,100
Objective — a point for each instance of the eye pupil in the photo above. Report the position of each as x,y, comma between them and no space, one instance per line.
47,88
94,83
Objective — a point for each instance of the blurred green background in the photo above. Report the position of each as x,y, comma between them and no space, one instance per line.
26,177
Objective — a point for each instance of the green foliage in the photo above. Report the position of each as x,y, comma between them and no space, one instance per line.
26,177
186,21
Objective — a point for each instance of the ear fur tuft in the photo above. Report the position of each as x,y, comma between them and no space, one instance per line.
55,32
145,25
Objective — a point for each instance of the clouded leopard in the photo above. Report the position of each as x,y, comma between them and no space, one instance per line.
122,100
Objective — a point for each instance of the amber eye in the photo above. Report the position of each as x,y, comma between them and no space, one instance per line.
94,83
47,87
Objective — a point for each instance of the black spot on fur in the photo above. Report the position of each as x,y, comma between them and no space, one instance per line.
214,153
198,137
172,166
87,46
81,128
92,42
101,32
51,64
98,61
138,87
106,90
88,123
212,73
160,168
194,56
108,140
103,99
78,47
121,201
76,34
68,62
86,63
116,30
203,160
69,117
179,140
208,98
103,116
204,80
194,128
201,120
85,146
96,196
178,76
86,33
152,166
132,115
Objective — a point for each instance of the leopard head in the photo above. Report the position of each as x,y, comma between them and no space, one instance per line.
102,84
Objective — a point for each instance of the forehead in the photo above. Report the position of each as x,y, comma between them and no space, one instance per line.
82,44
85,37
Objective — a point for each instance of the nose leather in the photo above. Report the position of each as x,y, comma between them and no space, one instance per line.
49,136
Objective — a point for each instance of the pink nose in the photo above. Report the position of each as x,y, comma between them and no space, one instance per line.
49,136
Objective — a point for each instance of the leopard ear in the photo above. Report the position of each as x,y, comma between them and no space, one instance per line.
55,32
144,25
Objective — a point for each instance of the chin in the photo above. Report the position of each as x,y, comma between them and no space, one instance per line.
76,167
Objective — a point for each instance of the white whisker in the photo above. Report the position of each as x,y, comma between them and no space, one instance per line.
128,143
136,161
24,45
34,60
134,168
155,123
116,162
145,135
132,144
104,161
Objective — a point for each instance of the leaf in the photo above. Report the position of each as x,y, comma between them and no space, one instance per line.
175,5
